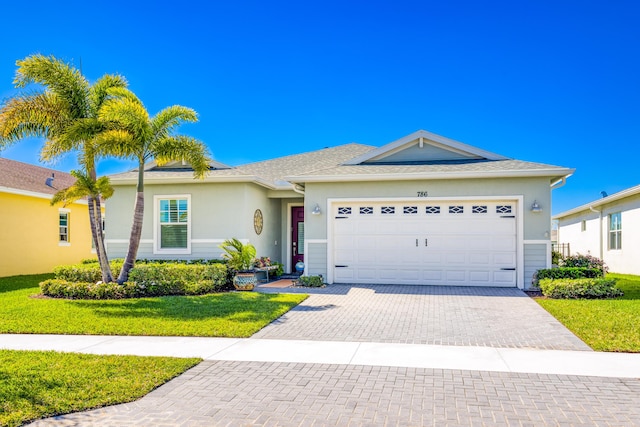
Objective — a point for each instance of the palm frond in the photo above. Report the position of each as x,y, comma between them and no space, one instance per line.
126,114
101,89
116,142
182,147
165,122
37,115
58,77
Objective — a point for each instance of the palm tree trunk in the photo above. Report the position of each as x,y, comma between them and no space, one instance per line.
95,222
136,228
101,250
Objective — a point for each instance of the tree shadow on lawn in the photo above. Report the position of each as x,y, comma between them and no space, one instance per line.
16,283
230,306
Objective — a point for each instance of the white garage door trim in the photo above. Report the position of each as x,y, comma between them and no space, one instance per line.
517,199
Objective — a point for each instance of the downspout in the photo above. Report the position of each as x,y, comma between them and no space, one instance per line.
600,235
562,181
298,188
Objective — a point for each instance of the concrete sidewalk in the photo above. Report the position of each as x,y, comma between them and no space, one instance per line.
491,359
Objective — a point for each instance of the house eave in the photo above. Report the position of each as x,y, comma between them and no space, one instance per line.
149,180
35,194
600,202
551,173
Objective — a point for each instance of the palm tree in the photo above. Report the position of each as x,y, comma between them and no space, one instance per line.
137,136
64,112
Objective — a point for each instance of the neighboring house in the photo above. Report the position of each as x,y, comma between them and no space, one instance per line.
35,236
421,210
607,228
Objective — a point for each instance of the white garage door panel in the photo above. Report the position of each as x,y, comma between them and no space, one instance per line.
434,242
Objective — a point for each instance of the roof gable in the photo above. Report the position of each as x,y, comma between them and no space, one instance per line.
424,147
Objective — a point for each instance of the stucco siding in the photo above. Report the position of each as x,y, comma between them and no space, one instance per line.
217,212
535,258
317,259
29,235
537,225
595,240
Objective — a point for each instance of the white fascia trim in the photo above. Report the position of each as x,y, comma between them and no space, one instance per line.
35,194
518,199
207,180
432,175
444,143
603,201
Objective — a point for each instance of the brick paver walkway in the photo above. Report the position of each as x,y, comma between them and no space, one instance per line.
492,317
232,393
278,394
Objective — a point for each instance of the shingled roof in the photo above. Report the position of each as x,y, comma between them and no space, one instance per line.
24,177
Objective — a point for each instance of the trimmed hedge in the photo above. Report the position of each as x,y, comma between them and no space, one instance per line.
310,281
145,280
157,279
84,272
569,273
580,288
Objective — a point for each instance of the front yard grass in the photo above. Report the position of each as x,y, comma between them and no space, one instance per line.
39,384
232,314
605,325
36,384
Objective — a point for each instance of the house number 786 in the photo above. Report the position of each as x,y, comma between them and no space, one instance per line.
423,194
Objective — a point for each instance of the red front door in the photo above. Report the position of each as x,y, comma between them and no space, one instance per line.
297,236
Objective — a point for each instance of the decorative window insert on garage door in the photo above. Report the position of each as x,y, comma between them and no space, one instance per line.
438,242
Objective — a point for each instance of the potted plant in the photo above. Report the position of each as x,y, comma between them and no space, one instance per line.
240,259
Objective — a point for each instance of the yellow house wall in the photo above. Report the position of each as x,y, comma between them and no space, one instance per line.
29,240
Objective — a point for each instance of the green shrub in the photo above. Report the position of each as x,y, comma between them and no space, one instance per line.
556,257
279,271
145,280
580,288
584,261
311,281
179,279
59,288
84,272
569,273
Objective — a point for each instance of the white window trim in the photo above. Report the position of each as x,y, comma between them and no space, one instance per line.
157,250
609,231
68,212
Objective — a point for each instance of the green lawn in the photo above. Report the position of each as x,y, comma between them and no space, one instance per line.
233,314
39,384
35,385
605,325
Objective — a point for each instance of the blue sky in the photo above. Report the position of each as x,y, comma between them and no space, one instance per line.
546,81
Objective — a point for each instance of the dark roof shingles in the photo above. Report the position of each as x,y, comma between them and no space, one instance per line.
22,176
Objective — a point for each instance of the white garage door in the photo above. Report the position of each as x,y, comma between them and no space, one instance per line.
433,242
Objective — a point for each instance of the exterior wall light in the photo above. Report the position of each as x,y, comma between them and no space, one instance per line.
535,207
316,210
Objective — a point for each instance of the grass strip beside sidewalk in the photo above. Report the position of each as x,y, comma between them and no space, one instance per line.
39,384
607,324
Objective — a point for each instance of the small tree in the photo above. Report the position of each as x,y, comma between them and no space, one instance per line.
64,112
133,134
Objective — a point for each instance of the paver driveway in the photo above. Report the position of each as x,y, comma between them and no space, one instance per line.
233,393
442,315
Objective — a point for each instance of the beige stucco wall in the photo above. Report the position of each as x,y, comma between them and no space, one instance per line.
536,225
218,212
